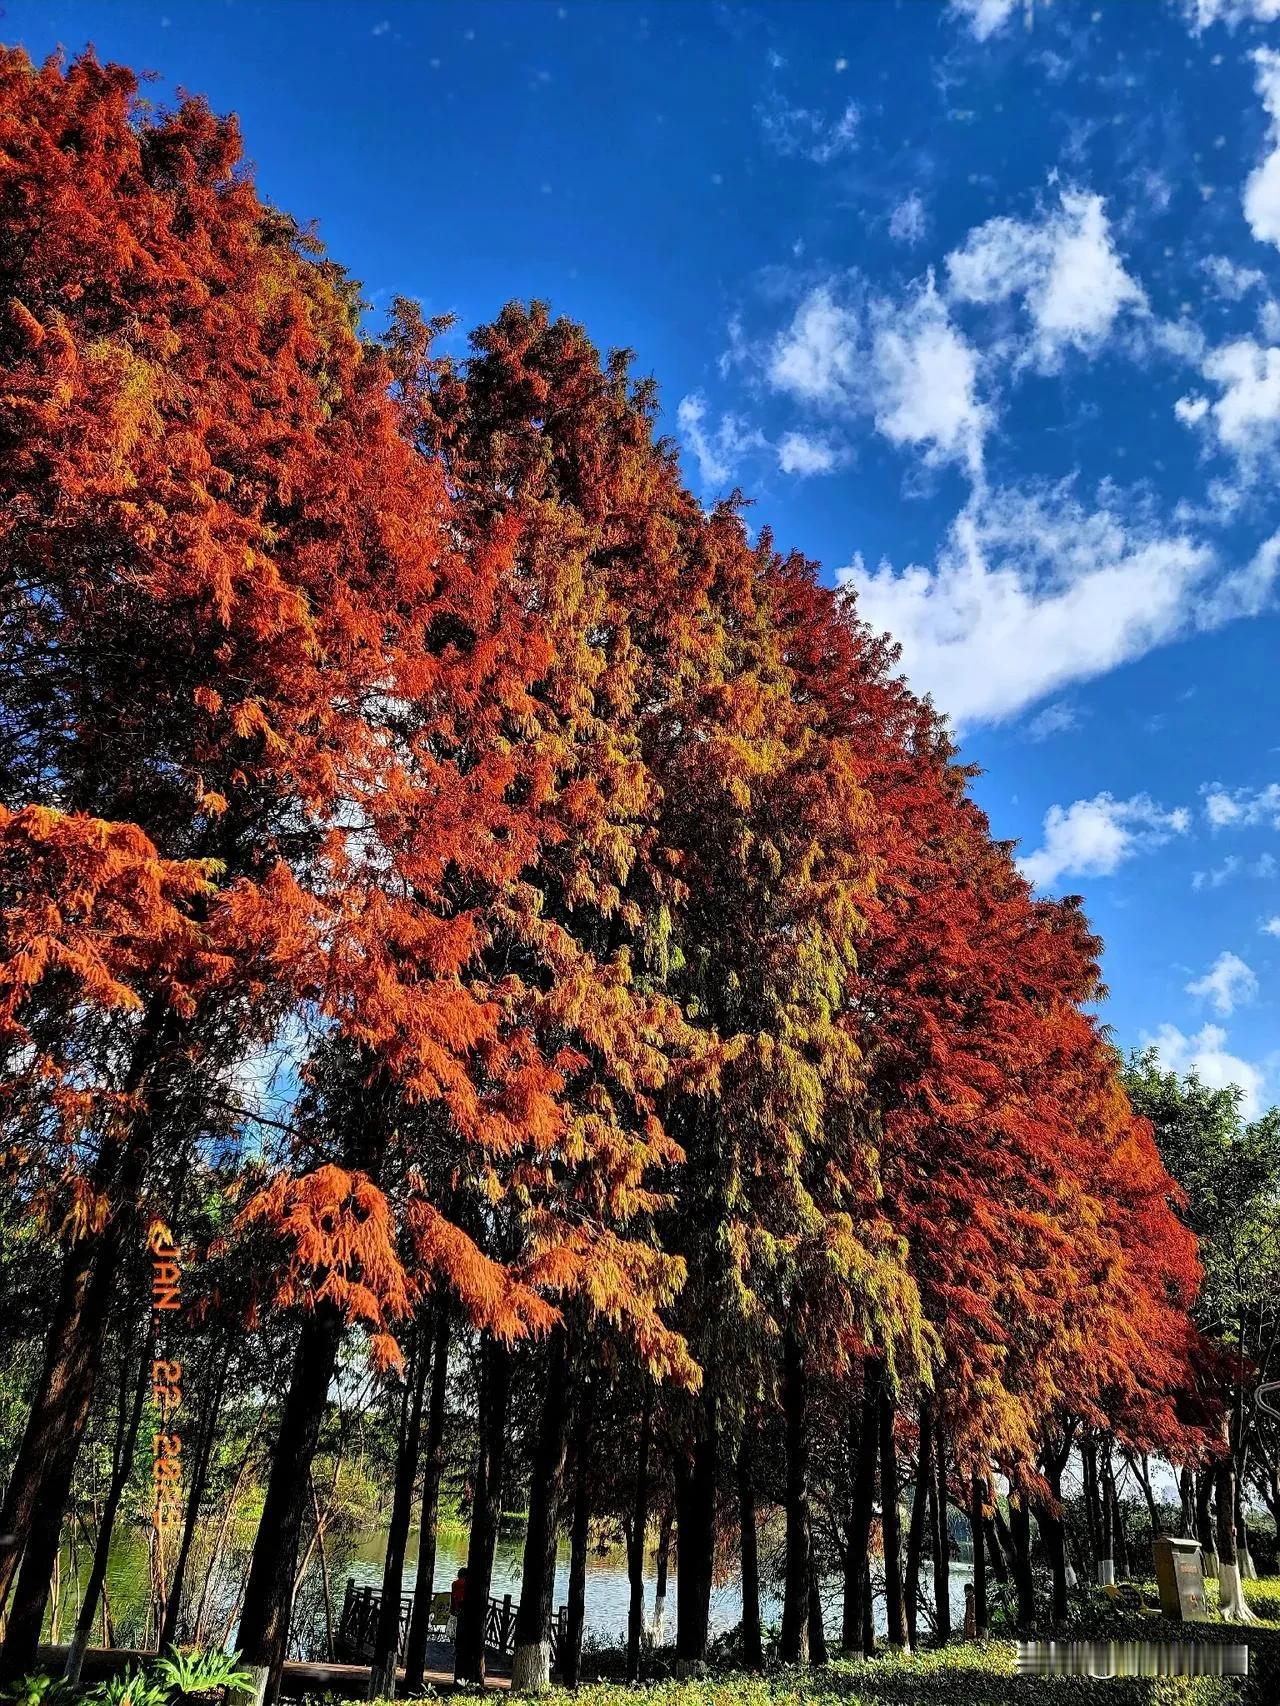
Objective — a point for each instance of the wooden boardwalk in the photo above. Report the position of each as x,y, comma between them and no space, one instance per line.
349,1682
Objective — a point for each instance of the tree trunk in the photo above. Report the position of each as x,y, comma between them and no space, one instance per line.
486,1511
940,1534
857,1574
639,1523
41,1475
696,1486
531,1666
1204,1522
817,1631
579,1540
415,1657
919,1521
1231,1601
794,1641
1187,1499
386,1640
977,1524
891,1525
1020,1561
210,1406
1106,1521
752,1643
268,1596
663,1565
121,1468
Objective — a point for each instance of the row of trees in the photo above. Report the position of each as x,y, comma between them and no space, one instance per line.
657,1022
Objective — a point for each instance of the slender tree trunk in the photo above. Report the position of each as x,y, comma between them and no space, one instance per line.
325,1586
1119,1539
752,1644
120,1471
857,1569
663,1566
531,1668
224,1523
940,1534
696,1486
868,1619
486,1512
40,1479
268,1596
1204,1522
1231,1601
818,1654
210,1406
386,1640
977,1523
1053,1532
579,1540
794,1642
639,1523
997,1543
919,1522
415,1658
891,1525
1020,1561
1187,1500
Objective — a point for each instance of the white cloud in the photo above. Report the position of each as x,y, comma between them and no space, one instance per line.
1030,593
1094,837
1202,13
800,454
717,451
1064,268
1244,419
1231,281
1229,983
816,357
912,371
984,18
1055,719
908,222
1206,1055
926,377
1220,874
1262,187
800,130
1272,926
1242,808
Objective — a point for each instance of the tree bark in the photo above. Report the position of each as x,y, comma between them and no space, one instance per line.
579,1540
817,1630
752,1644
268,1597
794,1641
1231,1601
531,1665
977,1524
1020,1561
857,1574
696,1485
210,1405
1204,1522
890,1525
638,1524
663,1566
415,1657
486,1511
940,1534
919,1521
386,1640
122,1465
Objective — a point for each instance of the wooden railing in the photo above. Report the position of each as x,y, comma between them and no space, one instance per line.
358,1624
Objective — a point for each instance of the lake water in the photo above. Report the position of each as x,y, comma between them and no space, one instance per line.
608,1589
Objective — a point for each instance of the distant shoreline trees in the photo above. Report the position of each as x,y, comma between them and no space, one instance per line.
666,1038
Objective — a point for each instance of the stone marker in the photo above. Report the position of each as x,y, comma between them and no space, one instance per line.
1180,1578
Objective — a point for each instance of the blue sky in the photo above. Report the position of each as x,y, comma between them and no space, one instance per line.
980,303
